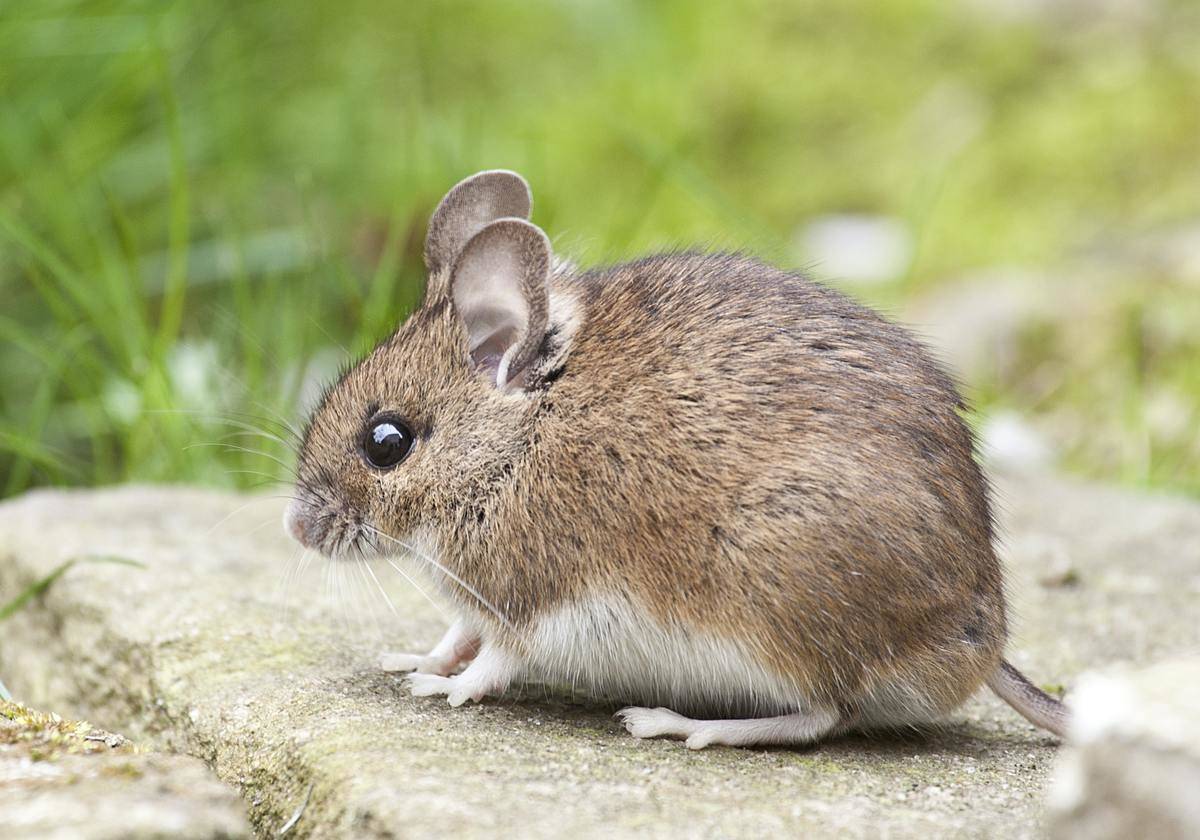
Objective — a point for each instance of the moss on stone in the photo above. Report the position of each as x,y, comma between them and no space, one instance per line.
45,736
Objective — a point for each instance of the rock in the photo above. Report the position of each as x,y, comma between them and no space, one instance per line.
1134,769
975,323
856,248
1008,441
64,779
223,648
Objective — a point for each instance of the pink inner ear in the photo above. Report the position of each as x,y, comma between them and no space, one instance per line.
487,363
488,354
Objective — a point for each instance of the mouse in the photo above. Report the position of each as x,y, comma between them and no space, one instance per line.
724,496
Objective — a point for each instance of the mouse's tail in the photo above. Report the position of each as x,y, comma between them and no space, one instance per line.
1035,705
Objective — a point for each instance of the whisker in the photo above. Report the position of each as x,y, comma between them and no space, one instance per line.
287,578
235,448
341,346
327,575
369,536
280,420
350,611
466,586
407,577
229,419
268,481
305,559
261,434
400,570
363,587
343,603
232,514
364,576
271,479
335,588
260,526
387,598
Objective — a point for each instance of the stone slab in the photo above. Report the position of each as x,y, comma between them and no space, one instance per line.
1133,769
224,648
66,780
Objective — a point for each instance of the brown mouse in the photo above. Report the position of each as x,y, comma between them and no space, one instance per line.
692,482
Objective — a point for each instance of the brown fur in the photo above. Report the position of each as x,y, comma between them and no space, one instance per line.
734,448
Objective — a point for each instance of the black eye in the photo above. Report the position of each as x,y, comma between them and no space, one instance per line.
387,442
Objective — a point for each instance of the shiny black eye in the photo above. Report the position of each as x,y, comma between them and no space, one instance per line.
387,442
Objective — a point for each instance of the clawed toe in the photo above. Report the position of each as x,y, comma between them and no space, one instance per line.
489,673
654,723
428,685
400,662
698,740
462,694
455,689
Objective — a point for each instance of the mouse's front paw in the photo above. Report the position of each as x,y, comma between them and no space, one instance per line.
490,673
463,692
428,685
456,690
401,662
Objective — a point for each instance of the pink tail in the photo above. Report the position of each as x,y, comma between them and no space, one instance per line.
1035,705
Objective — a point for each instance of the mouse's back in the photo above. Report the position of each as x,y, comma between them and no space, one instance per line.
741,450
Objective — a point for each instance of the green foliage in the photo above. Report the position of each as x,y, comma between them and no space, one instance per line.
197,200
40,586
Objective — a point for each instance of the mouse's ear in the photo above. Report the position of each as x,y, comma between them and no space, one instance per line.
471,204
498,284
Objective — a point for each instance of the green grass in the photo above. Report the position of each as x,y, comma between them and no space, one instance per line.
204,206
39,587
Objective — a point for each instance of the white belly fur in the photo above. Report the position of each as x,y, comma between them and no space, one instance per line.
608,647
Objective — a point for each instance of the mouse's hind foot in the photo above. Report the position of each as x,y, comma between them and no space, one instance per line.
800,728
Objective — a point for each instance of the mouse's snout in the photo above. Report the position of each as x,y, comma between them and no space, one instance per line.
329,530
294,523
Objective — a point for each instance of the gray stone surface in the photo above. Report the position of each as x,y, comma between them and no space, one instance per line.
1133,769
212,652
130,798
65,780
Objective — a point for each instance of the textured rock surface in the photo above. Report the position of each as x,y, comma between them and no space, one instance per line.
220,650
1134,767
65,779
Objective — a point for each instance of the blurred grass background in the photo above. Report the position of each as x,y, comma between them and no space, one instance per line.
205,206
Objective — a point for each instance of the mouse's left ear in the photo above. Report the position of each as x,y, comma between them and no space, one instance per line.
498,285
470,205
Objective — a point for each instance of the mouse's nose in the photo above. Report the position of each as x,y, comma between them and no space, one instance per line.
293,523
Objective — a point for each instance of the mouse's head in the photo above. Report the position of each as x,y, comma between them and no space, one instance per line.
412,435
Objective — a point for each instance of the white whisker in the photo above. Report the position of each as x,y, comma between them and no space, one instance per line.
262,434
466,586
366,595
386,598
212,416
417,586
232,514
232,447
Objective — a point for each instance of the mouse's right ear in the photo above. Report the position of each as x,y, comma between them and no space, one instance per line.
471,205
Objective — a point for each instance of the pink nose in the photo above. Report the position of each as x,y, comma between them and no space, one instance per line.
293,524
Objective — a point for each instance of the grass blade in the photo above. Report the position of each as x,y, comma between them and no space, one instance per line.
38,587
